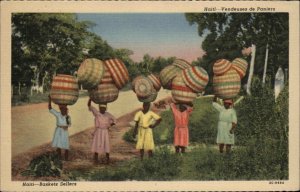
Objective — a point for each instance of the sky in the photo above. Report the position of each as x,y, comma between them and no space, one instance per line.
163,34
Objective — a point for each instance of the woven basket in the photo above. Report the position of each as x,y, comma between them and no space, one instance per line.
143,87
150,98
64,90
107,78
240,65
180,92
195,78
228,85
167,74
221,66
118,72
90,73
104,93
155,81
182,64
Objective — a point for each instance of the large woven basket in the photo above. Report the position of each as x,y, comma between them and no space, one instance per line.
195,78
221,66
142,86
107,78
118,72
90,73
155,81
167,74
228,85
64,90
104,93
150,98
182,64
180,92
240,65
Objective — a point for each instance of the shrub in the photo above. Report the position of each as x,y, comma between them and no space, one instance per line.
47,164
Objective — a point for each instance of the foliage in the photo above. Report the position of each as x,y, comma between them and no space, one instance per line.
47,164
45,42
163,166
263,128
225,34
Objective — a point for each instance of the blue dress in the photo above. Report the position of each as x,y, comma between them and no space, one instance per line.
61,136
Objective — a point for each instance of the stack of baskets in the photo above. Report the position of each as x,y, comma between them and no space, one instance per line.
64,90
103,79
227,77
146,87
184,80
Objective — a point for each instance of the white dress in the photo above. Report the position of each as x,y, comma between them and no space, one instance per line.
226,118
61,136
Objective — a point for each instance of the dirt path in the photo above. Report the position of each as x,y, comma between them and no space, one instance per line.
80,154
33,125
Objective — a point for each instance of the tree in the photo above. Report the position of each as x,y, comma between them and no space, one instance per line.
227,33
45,43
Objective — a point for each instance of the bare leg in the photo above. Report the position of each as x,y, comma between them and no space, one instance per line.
66,155
107,158
182,149
142,154
228,148
150,153
58,151
221,148
95,157
177,149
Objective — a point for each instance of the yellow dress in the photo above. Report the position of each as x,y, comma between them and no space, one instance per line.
145,135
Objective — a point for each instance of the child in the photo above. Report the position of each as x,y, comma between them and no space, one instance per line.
144,125
227,123
61,136
103,121
181,131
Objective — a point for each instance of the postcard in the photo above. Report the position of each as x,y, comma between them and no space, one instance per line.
149,96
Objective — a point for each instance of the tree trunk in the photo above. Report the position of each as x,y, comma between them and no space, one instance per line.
266,64
253,48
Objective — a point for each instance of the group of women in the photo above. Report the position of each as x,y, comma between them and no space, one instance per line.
145,120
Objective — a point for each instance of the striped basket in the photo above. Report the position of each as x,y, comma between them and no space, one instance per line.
221,66
107,78
90,73
155,81
180,92
228,85
167,74
104,93
240,65
195,78
118,72
150,98
143,87
135,80
182,64
64,90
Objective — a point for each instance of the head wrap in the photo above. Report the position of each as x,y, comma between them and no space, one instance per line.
103,105
229,101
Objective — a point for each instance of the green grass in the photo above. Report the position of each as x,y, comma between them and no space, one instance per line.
202,125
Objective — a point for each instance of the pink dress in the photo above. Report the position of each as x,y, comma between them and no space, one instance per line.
181,131
100,143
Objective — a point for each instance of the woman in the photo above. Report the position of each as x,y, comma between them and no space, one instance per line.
144,125
181,131
103,121
61,135
226,125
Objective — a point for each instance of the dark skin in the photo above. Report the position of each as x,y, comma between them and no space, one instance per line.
181,108
228,146
146,108
102,110
64,111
